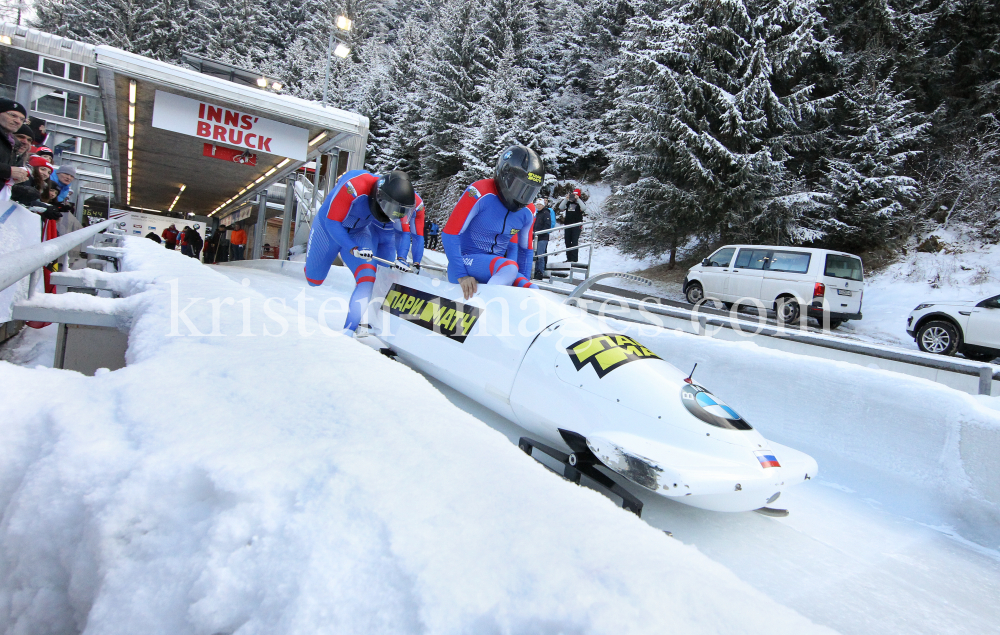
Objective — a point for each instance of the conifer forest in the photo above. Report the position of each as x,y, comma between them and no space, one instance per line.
848,124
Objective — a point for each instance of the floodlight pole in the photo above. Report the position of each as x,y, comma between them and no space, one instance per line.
329,54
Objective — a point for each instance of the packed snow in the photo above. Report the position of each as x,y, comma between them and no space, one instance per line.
255,479
898,534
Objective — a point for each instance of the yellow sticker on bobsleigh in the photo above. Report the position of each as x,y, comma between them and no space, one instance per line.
452,319
607,352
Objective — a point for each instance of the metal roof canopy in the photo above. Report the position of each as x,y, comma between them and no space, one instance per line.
164,160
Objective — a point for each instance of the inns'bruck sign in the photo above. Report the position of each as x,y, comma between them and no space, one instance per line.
231,127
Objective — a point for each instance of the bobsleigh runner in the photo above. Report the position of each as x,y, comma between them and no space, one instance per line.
587,397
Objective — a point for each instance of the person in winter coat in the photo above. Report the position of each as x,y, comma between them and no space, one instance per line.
170,237
152,236
23,137
220,246
38,189
38,132
195,243
345,226
12,116
239,243
182,240
545,218
488,237
63,180
570,211
433,233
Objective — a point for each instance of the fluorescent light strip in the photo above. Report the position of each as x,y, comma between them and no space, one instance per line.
318,138
283,163
179,192
131,143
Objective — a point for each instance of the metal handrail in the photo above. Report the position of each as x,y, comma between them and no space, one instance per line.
24,262
558,227
953,365
562,251
589,282
589,246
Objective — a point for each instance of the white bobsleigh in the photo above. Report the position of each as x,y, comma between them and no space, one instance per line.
575,385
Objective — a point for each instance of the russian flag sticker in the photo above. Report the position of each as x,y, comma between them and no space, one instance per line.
766,459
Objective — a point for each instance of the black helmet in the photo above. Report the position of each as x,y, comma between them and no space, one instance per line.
392,197
518,176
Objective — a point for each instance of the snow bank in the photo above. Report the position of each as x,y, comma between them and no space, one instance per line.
929,452
288,483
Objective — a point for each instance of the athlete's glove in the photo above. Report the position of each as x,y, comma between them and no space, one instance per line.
400,265
362,253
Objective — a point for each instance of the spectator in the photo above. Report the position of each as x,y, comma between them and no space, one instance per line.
63,179
182,240
43,151
570,210
38,132
211,242
152,236
170,237
239,242
217,247
433,234
22,150
12,116
195,243
545,218
37,189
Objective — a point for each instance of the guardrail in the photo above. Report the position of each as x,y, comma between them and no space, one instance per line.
29,261
588,245
699,322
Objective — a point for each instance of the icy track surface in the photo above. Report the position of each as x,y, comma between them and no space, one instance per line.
891,538
240,483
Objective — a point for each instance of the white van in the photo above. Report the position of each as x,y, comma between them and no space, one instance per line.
785,279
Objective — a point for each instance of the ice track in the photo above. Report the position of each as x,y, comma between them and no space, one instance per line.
863,551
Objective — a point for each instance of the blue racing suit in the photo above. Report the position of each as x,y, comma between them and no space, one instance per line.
344,222
414,224
487,241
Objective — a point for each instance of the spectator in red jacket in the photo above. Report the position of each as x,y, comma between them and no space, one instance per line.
170,237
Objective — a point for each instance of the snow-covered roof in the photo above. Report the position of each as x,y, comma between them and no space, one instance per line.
48,45
165,160
161,161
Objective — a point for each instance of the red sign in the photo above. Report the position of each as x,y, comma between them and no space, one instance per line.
229,154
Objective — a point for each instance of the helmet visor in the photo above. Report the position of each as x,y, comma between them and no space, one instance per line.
520,186
392,209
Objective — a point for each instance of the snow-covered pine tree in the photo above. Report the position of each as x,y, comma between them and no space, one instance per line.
116,23
506,115
452,83
402,149
876,135
707,107
241,33
588,42
168,28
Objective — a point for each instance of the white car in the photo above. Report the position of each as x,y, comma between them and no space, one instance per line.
788,280
969,327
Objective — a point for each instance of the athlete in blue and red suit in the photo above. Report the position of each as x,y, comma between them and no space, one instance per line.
344,226
488,237
397,236
414,224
